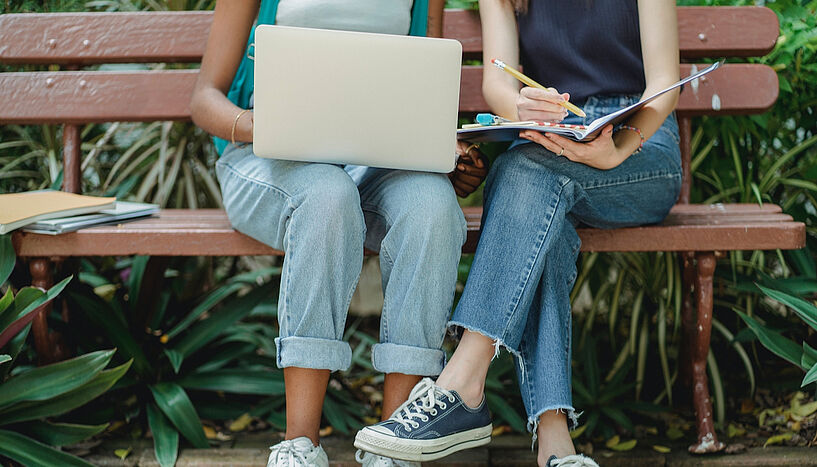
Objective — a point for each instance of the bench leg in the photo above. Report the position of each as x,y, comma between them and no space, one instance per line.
707,439
48,344
688,319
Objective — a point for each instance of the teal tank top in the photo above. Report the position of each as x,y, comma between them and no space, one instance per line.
244,80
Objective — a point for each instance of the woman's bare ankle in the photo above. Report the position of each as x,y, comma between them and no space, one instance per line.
470,390
554,437
468,368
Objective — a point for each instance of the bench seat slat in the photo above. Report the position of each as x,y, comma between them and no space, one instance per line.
207,232
106,96
86,38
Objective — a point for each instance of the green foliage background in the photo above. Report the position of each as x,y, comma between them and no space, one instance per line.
627,306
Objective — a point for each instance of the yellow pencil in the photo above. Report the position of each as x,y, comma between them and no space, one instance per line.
518,75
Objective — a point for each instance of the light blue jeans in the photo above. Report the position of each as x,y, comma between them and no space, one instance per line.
518,290
322,216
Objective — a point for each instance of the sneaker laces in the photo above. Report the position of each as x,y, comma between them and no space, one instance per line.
288,451
424,398
575,460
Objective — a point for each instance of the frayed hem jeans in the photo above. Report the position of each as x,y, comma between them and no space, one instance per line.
322,216
518,290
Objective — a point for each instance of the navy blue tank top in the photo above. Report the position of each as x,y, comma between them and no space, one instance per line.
583,47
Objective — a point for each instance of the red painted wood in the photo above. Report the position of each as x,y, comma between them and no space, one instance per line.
702,31
208,233
96,96
707,438
86,38
71,142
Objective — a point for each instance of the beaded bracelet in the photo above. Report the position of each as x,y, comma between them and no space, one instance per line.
640,135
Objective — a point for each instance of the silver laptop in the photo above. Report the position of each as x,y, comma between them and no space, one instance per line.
356,98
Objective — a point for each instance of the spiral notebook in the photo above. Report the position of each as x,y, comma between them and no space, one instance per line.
509,131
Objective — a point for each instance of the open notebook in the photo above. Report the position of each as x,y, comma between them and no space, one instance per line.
508,131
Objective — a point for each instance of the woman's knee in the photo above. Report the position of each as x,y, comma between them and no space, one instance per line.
330,205
434,212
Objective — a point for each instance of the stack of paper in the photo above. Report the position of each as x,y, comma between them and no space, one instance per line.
21,209
54,212
122,211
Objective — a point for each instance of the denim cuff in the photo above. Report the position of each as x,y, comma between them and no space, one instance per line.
407,359
313,353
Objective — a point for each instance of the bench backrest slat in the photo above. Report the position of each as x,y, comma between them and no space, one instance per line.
86,38
702,31
77,39
85,97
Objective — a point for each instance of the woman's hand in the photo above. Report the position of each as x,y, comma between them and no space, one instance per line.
601,153
470,171
542,105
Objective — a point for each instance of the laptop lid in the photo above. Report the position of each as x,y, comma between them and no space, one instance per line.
356,98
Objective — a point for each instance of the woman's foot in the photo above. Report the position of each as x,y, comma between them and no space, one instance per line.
298,452
574,460
367,459
431,424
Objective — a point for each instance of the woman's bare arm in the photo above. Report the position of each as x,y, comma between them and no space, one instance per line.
658,22
500,39
226,44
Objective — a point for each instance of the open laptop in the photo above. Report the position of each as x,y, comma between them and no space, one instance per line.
367,99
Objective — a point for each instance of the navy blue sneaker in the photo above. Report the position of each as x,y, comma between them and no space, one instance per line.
431,424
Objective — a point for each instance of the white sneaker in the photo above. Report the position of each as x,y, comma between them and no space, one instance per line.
576,460
373,460
298,452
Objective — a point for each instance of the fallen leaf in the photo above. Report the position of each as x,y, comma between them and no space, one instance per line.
733,430
778,439
625,446
209,432
105,291
804,410
123,453
499,430
747,406
241,423
651,430
674,433
325,431
613,441
662,449
578,432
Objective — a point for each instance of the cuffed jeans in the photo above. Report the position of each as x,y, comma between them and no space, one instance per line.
518,290
322,216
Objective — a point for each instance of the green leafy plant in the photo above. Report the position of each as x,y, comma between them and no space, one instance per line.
181,350
801,355
30,398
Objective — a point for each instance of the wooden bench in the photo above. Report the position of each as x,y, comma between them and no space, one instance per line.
74,98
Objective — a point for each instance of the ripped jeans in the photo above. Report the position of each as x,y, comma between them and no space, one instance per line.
518,290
